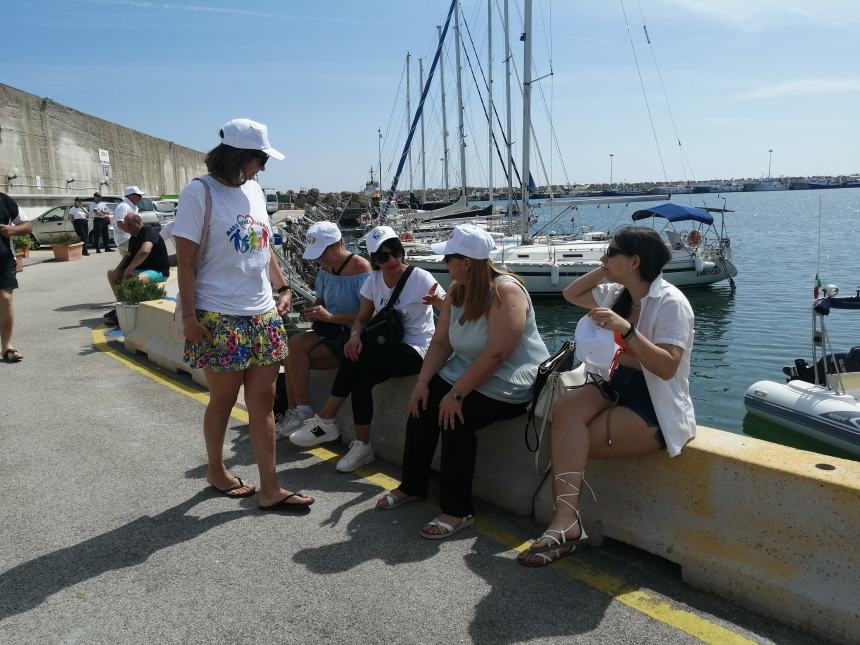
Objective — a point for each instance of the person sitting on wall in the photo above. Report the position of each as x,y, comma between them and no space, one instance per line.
480,369
337,288
146,259
645,405
369,363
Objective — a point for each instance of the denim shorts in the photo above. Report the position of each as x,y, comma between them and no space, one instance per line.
238,342
631,389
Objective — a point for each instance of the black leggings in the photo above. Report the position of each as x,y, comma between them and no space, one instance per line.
359,377
459,446
100,232
82,229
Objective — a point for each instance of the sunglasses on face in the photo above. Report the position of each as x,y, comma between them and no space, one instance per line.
453,256
262,157
614,250
384,256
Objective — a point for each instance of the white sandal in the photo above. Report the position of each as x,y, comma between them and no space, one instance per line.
392,501
562,539
547,557
447,529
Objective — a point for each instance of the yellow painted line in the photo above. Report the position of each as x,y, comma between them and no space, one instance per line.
643,602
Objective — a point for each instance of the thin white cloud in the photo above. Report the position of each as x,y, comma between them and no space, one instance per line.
142,4
755,15
810,87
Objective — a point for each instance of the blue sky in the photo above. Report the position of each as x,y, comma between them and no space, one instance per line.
741,77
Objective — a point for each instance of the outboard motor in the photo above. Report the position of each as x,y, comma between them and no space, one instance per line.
839,362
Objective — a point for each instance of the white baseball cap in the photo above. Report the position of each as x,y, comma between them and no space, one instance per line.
594,345
319,237
377,236
133,190
468,240
248,135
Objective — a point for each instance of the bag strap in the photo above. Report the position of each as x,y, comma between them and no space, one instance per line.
207,217
343,266
397,289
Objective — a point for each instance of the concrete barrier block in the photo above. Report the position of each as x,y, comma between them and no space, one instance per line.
770,526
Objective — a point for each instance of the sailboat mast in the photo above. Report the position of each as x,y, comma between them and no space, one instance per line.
490,99
409,113
444,114
508,115
460,125
527,110
423,159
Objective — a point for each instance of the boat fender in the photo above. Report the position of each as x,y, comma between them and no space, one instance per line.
406,236
554,274
700,265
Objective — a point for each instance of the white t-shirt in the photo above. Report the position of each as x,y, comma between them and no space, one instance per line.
99,209
122,209
666,318
418,324
78,213
233,277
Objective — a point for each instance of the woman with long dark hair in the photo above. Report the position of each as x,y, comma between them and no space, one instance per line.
480,369
232,324
645,405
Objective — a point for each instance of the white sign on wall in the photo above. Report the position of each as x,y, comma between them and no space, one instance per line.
106,173
104,156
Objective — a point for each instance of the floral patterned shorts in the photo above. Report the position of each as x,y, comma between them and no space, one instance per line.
238,342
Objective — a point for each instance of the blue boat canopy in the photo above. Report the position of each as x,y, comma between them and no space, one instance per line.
675,213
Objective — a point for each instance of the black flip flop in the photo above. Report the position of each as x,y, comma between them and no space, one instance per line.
16,356
226,491
284,506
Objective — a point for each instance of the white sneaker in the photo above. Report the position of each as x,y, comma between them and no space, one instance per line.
360,454
287,424
314,432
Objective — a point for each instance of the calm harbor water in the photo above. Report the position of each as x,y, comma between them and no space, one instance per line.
752,332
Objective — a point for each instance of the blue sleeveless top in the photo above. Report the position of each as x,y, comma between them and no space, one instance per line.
340,293
512,382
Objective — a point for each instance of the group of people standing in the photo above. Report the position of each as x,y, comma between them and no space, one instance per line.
475,365
79,214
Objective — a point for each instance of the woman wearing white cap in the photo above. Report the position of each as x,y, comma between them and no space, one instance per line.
232,324
480,368
645,405
337,287
368,363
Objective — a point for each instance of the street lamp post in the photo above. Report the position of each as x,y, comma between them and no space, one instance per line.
769,160
610,169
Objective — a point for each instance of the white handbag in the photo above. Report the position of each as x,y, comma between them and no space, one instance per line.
557,384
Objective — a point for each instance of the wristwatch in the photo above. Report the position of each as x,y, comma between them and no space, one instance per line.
457,396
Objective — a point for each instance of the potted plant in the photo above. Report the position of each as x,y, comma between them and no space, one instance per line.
130,293
23,244
67,247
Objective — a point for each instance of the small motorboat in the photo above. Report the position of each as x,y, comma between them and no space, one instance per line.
821,400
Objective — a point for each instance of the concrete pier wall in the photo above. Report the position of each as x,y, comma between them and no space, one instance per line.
44,144
771,527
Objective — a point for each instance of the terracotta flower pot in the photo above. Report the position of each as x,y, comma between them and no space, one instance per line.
67,253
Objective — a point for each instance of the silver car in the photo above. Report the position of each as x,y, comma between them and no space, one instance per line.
56,220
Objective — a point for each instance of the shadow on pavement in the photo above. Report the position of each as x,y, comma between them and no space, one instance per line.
27,585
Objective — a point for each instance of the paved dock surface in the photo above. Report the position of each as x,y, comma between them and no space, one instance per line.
110,536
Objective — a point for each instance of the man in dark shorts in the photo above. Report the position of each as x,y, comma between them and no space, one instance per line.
12,222
146,259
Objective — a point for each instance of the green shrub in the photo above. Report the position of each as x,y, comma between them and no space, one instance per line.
134,291
64,239
22,242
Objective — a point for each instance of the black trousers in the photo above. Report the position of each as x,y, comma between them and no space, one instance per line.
359,377
100,232
459,446
82,228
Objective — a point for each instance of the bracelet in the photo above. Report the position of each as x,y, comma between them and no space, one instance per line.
629,332
286,287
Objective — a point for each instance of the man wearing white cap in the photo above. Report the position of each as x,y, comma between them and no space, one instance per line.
133,195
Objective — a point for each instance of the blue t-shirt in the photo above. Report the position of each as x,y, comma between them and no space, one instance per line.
340,293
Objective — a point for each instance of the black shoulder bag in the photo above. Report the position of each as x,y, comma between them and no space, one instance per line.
385,329
547,374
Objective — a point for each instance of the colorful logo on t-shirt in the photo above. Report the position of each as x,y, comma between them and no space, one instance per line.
248,235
